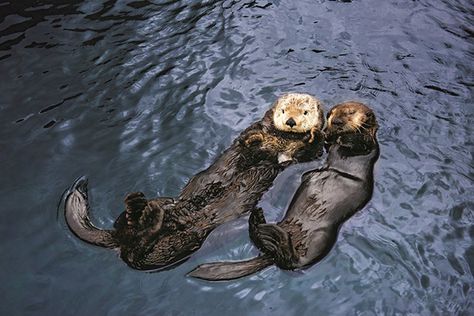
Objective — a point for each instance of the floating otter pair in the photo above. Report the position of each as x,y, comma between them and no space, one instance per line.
325,199
159,233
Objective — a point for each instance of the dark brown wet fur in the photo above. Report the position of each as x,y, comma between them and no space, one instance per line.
326,198
158,233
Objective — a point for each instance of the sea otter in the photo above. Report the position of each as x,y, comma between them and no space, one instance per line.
325,199
161,232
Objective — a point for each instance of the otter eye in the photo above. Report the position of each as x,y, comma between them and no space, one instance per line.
305,113
282,111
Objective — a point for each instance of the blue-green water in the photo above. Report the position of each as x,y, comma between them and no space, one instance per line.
141,95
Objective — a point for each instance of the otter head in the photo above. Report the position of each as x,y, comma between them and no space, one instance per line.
297,113
351,117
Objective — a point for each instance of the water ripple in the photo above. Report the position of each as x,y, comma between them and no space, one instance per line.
141,95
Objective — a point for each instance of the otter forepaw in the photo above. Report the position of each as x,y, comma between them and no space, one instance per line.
253,139
315,135
312,135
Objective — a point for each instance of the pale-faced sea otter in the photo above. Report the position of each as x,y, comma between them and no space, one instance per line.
326,198
161,232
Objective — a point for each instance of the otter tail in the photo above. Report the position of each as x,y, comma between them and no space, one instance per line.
76,211
222,271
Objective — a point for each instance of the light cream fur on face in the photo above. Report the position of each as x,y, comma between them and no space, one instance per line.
303,109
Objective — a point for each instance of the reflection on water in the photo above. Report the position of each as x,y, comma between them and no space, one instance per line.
141,95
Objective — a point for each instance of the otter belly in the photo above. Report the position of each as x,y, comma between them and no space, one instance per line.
325,199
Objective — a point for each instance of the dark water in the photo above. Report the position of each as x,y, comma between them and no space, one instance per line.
141,95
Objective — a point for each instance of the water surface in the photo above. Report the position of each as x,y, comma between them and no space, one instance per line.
141,95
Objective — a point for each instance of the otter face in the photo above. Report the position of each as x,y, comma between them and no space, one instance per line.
297,113
351,117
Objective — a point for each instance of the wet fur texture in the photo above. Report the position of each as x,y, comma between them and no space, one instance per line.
162,232
326,198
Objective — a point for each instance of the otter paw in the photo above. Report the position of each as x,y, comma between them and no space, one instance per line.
152,217
254,139
135,199
312,136
135,205
278,243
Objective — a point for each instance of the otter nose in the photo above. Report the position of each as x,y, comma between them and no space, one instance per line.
337,121
291,122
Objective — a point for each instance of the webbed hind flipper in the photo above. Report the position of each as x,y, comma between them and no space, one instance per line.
135,206
277,242
153,215
139,233
142,215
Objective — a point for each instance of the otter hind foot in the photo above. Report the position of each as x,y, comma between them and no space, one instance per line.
144,216
154,214
277,243
135,209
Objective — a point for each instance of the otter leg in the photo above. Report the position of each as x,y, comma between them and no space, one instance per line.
256,218
277,243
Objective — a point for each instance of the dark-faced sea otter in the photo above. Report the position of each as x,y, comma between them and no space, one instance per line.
161,232
326,198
